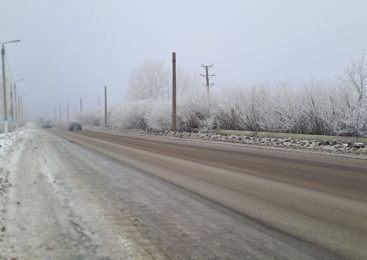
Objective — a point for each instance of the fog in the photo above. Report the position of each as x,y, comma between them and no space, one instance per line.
71,49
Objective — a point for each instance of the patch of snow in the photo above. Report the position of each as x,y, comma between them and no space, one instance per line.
7,143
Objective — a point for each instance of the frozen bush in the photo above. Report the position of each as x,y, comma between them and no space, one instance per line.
132,114
159,117
338,107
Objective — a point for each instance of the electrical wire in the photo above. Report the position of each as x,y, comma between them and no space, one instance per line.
310,62
312,37
301,53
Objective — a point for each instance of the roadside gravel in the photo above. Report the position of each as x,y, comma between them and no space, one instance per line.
355,149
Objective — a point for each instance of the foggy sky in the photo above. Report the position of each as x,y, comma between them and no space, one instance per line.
71,49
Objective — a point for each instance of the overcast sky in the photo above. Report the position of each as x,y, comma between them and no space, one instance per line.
71,49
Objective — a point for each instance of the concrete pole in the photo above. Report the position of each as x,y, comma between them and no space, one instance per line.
67,111
12,103
16,106
173,123
4,91
105,106
20,103
81,109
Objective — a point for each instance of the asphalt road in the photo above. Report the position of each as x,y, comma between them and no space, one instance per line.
318,200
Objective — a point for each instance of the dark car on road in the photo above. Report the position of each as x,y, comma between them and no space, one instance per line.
47,124
75,126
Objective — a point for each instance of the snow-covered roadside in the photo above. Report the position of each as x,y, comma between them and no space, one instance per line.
7,144
45,213
7,161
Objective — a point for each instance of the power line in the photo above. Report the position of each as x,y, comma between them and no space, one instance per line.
301,53
310,62
312,37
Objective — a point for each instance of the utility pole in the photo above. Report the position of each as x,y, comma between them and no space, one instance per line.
4,91
60,113
16,105
21,108
174,119
105,106
67,111
55,114
4,85
11,103
81,109
20,103
207,76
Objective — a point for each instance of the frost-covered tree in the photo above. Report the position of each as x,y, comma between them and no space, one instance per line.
152,81
353,113
356,79
149,81
335,107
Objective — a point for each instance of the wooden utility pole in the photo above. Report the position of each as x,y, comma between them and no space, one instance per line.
105,106
174,126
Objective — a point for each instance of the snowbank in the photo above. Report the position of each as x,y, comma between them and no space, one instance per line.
6,144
